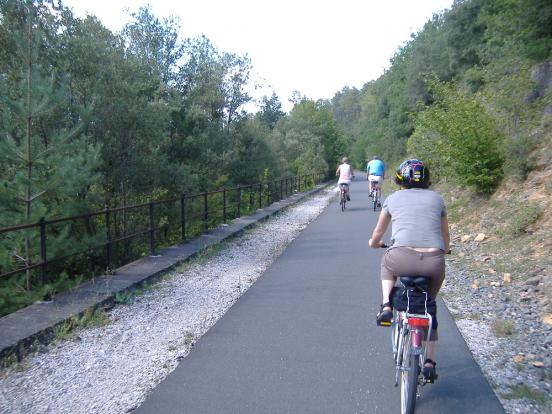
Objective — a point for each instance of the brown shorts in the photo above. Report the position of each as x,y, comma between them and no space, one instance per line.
402,261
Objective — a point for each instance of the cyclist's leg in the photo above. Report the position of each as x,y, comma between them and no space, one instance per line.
387,283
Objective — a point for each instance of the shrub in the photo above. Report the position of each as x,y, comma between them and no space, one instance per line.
521,218
458,138
503,327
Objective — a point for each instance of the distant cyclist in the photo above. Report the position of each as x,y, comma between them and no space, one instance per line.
376,174
346,174
420,238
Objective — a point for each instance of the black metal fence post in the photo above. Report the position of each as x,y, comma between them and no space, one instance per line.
205,211
268,193
260,195
43,252
183,216
239,202
224,205
109,245
152,228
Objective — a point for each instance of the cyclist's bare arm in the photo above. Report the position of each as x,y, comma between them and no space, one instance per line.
446,233
383,222
337,171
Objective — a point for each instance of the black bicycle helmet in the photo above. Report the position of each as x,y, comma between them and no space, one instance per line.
412,173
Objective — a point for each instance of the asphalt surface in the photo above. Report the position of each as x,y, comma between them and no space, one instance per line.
303,338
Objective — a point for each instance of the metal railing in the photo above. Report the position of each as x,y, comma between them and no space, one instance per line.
105,237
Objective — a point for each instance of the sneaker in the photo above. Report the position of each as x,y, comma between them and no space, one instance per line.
429,373
348,198
379,204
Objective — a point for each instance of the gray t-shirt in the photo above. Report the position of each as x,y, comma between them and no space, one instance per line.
416,215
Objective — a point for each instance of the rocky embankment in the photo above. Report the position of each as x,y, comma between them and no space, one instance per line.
504,320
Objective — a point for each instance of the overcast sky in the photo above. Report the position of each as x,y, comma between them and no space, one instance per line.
314,46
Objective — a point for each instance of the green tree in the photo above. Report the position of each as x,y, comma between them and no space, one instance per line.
310,139
48,164
271,111
459,139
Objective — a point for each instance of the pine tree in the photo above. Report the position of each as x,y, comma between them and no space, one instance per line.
47,165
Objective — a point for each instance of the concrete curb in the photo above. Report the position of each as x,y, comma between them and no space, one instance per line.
29,329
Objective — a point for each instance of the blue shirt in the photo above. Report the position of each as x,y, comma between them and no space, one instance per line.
375,167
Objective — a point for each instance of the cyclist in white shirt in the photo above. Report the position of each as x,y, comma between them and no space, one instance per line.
346,174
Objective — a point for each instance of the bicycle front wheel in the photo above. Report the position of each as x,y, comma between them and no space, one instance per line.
409,381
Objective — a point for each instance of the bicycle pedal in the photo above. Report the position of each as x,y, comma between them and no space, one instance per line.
429,380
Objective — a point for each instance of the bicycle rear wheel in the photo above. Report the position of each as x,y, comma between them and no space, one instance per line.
409,380
343,201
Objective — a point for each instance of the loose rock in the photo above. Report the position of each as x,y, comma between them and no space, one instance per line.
533,281
480,237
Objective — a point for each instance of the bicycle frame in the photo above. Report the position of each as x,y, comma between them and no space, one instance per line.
410,336
343,192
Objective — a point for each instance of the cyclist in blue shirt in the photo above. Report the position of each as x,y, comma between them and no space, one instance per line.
376,174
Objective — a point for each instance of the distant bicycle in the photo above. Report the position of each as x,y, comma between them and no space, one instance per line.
343,191
376,200
375,195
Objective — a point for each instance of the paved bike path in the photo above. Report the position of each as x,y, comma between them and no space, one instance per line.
303,339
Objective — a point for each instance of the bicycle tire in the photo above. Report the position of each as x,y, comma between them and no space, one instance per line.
342,201
409,380
376,200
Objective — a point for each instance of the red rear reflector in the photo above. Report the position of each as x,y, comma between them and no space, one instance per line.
420,322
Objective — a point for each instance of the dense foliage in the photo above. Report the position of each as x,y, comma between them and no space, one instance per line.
90,118
482,53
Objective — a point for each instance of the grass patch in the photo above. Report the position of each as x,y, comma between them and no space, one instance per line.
209,252
521,218
503,327
11,361
64,331
91,318
124,298
522,391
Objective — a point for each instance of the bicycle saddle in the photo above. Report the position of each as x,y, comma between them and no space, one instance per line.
420,282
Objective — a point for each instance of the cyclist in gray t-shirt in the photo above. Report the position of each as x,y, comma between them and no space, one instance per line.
420,238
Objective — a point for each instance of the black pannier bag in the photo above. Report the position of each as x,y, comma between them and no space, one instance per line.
413,299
